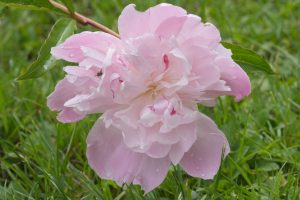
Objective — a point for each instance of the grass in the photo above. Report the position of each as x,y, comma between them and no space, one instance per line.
43,159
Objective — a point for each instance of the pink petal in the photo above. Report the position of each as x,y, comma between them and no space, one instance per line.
68,115
133,23
196,32
112,159
186,116
131,138
233,74
171,26
64,91
76,95
148,117
72,49
204,157
202,61
144,54
158,150
187,134
81,72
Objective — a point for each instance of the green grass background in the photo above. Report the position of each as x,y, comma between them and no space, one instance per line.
43,159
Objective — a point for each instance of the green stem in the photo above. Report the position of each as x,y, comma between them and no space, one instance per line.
83,19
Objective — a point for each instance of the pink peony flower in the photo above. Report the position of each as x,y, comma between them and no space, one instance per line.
147,84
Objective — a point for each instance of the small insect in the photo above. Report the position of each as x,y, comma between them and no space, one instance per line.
100,73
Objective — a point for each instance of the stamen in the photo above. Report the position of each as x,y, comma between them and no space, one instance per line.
173,112
166,61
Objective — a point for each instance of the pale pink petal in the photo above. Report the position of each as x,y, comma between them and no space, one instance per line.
64,91
158,150
185,116
81,72
195,32
171,26
145,56
152,172
68,115
201,59
131,139
175,76
141,138
112,159
235,77
72,49
133,23
187,134
83,103
76,95
148,116
204,157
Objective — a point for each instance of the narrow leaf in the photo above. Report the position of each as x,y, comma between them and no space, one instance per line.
28,3
62,29
247,59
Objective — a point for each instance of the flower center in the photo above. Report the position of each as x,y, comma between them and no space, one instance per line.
151,91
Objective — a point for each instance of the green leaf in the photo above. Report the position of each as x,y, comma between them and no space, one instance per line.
69,5
267,166
247,59
28,3
62,29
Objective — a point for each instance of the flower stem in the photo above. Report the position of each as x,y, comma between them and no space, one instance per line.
84,20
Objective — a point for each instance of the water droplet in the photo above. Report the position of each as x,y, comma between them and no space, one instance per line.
203,175
71,55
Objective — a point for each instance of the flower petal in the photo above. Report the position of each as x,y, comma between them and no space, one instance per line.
188,135
133,23
64,91
72,49
198,33
112,159
235,77
204,157
78,91
171,26
68,115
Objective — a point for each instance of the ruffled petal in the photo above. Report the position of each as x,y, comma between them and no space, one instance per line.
112,159
133,23
77,95
68,115
75,47
195,32
204,157
171,26
158,150
187,135
235,77
64,91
